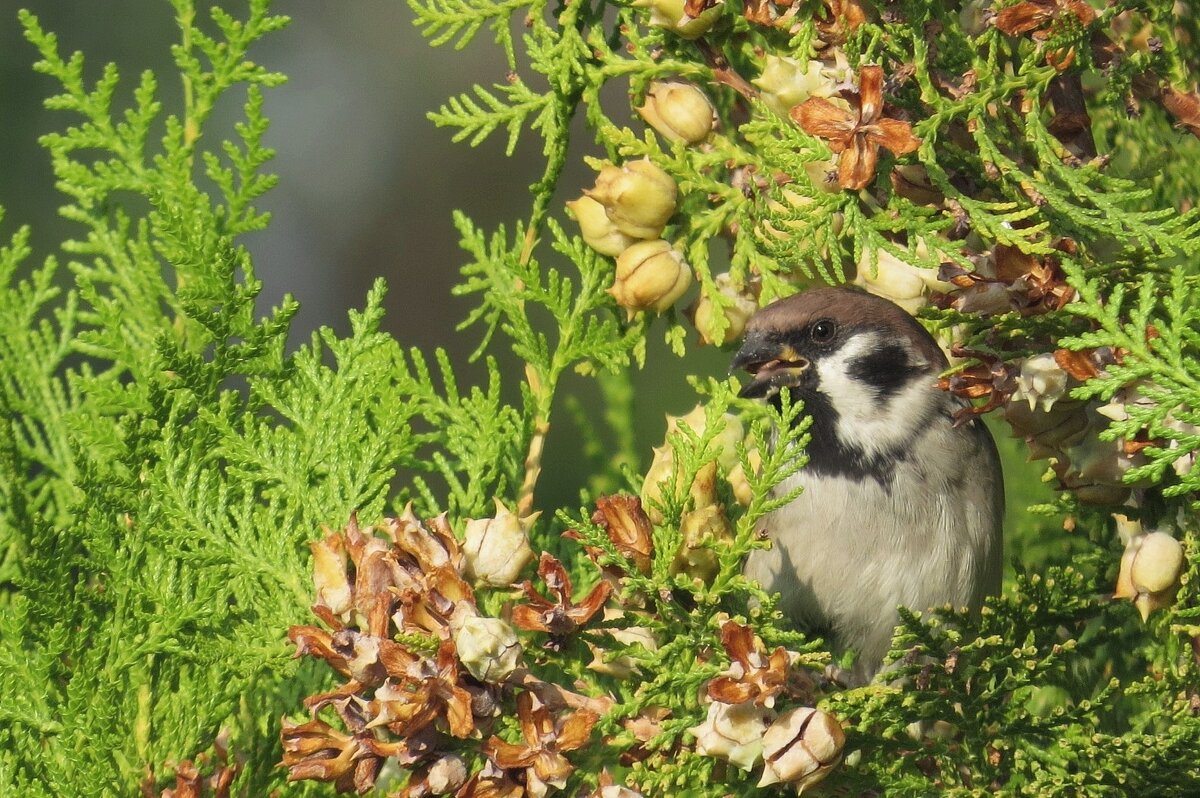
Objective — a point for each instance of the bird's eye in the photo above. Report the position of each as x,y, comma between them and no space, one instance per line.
822,332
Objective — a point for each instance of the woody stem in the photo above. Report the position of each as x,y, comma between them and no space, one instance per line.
537,442
555,696
724,73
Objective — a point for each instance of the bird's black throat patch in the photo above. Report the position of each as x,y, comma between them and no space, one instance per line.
828,455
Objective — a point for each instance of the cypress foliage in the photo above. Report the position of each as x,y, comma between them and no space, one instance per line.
208,564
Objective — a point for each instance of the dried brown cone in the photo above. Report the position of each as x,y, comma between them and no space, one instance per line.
1038,17
190,781
1041,19
409,703
1038,283
544,740
1083,364
316,750
990,379
561,615
839,20
414,558
973,291
411,578
412,581
491,782
369,589
760,12
1185,107
1010,280
628,528
857,131
443,776
755,675
694,8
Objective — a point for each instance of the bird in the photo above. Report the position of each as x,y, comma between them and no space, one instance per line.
902,501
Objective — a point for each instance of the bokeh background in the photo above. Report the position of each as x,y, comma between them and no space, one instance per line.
366,182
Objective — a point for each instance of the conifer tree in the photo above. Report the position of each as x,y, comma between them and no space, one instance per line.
231,567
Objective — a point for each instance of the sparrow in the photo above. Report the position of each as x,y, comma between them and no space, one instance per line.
901,504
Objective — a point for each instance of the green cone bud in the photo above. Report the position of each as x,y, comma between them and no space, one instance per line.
638,197
651,275
672,15
678,111
597,230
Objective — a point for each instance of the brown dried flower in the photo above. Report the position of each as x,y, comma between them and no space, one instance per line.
316,750
990,378
858,131
189,779
491,782
1185,107
628,527
1040,18
842,17
409,702
561,616
754,674
540,753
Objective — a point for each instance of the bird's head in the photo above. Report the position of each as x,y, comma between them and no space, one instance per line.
860,363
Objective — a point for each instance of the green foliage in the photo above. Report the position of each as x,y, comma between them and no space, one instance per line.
453,21
477,122
166,462
1014,698
1158,331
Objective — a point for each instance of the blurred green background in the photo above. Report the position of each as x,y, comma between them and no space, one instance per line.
366,181
367,186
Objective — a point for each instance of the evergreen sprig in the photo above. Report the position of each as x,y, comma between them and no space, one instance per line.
1155,331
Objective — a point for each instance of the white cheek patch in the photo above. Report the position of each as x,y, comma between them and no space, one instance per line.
866,422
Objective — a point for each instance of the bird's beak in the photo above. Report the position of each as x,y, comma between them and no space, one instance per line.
773,365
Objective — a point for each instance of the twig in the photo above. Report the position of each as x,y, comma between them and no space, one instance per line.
556,697
537,443
724,73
